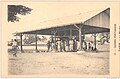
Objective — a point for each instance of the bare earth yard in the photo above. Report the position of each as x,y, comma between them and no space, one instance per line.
80,63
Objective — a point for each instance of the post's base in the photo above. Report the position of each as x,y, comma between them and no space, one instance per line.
95,49
22,51
37,51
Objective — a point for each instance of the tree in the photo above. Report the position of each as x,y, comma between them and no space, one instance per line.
14,10
31,39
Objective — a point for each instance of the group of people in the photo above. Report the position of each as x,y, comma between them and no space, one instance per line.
88,46
62,45
70,45
58,46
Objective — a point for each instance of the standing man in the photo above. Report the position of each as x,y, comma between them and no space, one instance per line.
84,45
15,47
64,46
74,45
48,45
92,46
61,46
89,46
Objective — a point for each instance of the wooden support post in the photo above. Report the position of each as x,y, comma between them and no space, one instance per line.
21,47
80,38
80,35
36,43
95,42
70,33
83,35
55,41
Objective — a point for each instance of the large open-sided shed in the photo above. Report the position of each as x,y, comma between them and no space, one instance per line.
90,23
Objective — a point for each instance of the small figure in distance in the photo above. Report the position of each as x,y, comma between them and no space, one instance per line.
15,47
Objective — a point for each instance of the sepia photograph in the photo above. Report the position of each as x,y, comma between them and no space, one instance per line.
58,38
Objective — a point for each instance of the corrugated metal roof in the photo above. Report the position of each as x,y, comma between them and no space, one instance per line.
64,21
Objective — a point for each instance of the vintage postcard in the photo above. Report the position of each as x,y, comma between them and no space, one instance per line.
60,38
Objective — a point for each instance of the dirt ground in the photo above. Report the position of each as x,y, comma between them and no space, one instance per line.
81,63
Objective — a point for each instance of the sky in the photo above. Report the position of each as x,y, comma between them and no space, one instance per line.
45,14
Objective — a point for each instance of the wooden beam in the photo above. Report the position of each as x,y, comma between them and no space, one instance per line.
70,33
55,41
21,46
95,42
80,38
36,43
80,34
